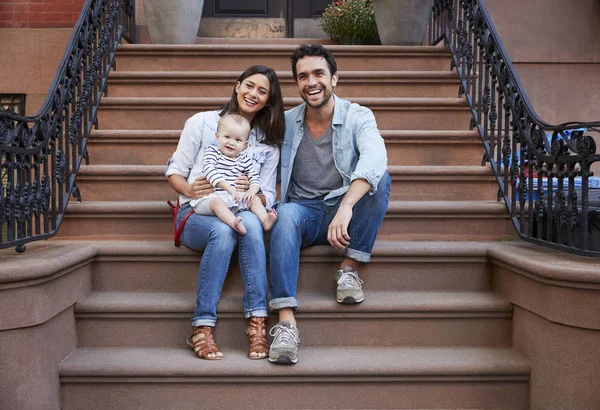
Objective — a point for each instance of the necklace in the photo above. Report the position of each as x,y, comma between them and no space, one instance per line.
310,127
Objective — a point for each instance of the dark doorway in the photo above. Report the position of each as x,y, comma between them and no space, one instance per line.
263,8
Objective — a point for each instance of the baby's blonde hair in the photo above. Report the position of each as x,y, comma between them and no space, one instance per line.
237,119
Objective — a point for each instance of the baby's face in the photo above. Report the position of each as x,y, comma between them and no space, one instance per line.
232,139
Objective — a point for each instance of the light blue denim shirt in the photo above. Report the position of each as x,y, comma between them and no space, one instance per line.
358,148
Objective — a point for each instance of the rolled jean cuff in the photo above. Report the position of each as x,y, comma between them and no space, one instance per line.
256,313
198,321
281,303
358,255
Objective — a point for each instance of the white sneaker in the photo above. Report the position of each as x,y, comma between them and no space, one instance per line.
349,289
284,349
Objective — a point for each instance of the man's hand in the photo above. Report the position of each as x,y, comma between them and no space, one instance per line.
337,235
199,188
241,183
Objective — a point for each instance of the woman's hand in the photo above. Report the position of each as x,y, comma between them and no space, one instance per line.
241,183
199,188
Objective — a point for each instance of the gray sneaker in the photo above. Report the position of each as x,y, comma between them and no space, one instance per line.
284,349
349,289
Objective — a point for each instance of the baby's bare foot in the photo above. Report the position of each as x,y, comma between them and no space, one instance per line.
238,225
269,220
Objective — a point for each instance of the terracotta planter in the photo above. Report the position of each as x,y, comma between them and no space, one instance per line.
402,22
173,21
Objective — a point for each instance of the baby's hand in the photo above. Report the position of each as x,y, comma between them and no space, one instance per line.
235,195
250,193
248,196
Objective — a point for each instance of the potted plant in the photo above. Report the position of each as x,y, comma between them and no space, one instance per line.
402,22
173,21
350,22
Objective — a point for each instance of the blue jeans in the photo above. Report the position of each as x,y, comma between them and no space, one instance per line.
305,223
217,241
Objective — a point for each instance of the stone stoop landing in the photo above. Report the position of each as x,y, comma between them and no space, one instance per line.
431,334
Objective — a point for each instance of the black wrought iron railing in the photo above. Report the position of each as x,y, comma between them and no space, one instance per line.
543,170
40,155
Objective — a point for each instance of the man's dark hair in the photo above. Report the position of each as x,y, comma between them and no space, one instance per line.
313,50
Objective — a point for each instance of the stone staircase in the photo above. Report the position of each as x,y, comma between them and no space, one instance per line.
432,333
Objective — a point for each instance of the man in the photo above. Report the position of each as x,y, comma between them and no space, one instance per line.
334,189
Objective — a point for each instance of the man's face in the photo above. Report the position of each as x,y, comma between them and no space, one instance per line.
314,80
232,138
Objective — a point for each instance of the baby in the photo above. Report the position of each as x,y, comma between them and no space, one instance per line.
221,166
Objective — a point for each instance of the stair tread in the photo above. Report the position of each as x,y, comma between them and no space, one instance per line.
148,134
460,102
421,207
408,170
265,40
312,302
287,75
362,361
285,49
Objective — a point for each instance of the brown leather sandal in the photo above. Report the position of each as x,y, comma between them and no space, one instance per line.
202,342
257,333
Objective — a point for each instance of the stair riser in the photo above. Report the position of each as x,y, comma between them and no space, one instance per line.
455,228
179,274
151,117
132,152
394,227
443,189
433,153
279,61
429,152
140,188
317,329
314,393
345,88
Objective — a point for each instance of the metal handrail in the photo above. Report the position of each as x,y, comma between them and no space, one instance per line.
543,170
41,154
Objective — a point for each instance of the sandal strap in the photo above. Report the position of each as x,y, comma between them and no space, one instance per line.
202,341
257,333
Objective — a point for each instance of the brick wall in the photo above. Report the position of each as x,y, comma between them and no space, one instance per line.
39,13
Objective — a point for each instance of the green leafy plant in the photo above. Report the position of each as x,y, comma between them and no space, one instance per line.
349,19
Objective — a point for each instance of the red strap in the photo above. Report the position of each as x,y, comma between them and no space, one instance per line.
177,232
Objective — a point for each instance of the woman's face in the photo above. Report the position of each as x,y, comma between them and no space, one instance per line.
252,94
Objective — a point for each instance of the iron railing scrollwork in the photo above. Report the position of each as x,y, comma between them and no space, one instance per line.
543,171
40,155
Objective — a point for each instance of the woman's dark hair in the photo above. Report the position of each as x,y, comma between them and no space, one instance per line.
271,118
313,50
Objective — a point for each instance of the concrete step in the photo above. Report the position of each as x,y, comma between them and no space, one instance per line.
238,57
405,220
338,377
403,266
113,319
405,147
433,147
274,40
429,84
409,183
390,113
442,183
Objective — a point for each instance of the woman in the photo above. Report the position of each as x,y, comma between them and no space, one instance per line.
256,97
